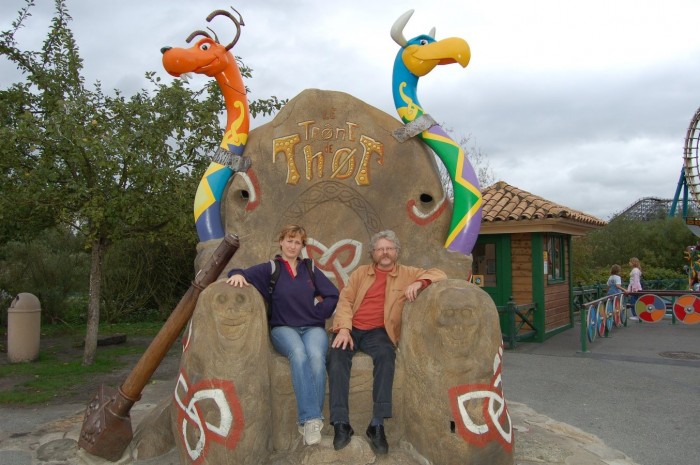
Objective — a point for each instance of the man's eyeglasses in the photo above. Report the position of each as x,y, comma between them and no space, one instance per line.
385,249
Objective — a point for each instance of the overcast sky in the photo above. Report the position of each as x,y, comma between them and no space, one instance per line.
586,104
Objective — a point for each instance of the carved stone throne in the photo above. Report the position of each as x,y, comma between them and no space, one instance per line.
329,161
234,401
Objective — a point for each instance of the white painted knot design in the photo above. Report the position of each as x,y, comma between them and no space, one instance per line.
336,261
208,411
490,419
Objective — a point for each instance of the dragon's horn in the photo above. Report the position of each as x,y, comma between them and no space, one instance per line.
237,21
397,28
196,33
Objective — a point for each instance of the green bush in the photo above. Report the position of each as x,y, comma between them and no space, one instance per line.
53,266
144,281
659,244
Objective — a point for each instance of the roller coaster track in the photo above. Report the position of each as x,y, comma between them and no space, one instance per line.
689,181
690,157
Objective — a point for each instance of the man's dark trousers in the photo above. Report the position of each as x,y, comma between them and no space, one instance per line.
376,344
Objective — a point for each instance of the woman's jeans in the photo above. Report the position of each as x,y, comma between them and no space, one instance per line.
306,348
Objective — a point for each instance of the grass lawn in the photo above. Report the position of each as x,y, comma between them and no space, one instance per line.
59,372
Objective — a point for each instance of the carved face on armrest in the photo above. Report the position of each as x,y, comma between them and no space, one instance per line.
454,326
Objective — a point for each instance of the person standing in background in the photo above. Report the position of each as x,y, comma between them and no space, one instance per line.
615,281
635,284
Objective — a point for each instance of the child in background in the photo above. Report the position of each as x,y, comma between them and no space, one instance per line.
614,287
635,284
615,281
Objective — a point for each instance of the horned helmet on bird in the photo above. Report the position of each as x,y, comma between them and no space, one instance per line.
417,57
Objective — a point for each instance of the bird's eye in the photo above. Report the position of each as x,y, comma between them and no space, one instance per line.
424,41
204,47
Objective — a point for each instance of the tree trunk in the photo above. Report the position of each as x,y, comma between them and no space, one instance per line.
93,317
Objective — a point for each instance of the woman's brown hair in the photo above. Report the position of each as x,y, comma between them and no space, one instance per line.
293,230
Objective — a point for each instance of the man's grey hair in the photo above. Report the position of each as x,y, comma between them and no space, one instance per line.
386,234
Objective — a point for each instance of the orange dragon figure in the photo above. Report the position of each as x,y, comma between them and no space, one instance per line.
208,57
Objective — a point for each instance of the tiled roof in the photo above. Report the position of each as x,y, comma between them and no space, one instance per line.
503,202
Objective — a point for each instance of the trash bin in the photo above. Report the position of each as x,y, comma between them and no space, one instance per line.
23,328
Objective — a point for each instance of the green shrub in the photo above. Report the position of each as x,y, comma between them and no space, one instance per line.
144,281
659,244
53,266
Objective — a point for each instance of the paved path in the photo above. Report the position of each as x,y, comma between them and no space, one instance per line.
638,390
622,403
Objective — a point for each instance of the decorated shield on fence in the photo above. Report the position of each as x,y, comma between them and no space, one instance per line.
687,309
602,316
591,322
650,308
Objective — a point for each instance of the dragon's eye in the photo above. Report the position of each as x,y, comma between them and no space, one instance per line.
424,41
204,47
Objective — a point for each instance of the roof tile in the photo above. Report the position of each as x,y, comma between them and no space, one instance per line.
503,202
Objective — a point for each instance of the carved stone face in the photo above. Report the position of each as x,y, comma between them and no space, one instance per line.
329,162
232,323
452,319
458,331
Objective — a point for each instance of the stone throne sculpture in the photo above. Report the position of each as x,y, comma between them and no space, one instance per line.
330,162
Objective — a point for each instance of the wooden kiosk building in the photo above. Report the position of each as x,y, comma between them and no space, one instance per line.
524,252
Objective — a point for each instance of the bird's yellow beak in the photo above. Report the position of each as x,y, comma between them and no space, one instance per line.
421,59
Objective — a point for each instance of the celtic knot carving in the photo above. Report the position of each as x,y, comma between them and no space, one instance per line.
221,421
336,261
495,422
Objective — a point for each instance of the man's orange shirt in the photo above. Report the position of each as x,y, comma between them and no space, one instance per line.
370,314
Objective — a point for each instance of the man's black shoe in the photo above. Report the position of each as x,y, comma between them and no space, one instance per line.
377,439
343,434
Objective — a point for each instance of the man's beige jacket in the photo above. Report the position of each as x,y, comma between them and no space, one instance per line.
396,282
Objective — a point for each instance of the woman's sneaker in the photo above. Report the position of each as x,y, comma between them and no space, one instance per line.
312,432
